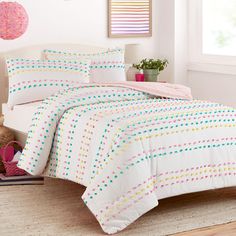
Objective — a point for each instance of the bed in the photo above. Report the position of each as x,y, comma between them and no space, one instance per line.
19,118
131,145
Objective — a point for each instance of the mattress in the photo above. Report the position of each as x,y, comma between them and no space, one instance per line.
19,118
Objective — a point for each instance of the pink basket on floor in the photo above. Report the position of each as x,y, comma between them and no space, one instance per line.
7,154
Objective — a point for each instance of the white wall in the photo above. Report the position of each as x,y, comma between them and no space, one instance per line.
172,39
181,41
75,21
166,39
215,87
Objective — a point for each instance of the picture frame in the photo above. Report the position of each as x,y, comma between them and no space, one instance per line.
129,18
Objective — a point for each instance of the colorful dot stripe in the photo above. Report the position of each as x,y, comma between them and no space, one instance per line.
79,100
138,192
153,154
61,53
137,132
26,85
109,60
19,66
100,136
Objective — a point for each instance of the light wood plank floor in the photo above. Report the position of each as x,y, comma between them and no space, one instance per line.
220,230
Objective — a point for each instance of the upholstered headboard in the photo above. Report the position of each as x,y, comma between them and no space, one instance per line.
34,52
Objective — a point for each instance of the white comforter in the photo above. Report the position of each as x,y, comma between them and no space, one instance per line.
131,149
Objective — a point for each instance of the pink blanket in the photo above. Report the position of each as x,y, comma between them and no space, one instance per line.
158,89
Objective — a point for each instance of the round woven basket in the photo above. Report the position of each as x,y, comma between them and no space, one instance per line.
1,120
6,136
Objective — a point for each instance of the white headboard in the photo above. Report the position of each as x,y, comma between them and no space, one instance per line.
34,52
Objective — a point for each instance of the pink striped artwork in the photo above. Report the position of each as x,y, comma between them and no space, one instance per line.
130,18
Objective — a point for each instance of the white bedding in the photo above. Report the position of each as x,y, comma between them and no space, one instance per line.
19,118
131,148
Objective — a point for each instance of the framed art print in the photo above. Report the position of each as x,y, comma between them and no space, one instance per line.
129,18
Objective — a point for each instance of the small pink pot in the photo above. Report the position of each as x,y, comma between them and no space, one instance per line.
139,77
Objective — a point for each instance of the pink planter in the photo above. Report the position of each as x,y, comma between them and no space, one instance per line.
139,77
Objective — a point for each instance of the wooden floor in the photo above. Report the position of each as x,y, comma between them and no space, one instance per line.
220,230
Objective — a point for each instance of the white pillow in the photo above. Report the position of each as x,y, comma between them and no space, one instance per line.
106,67
33,80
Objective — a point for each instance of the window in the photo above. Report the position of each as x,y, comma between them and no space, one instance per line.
212,31
219,27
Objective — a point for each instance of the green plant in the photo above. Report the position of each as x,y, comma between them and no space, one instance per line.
156,64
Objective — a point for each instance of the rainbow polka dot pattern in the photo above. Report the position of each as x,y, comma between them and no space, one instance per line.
106,67
131,149
34,80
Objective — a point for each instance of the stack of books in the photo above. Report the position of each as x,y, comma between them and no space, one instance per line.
21,180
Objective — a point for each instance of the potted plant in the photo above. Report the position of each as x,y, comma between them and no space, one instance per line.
151,68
